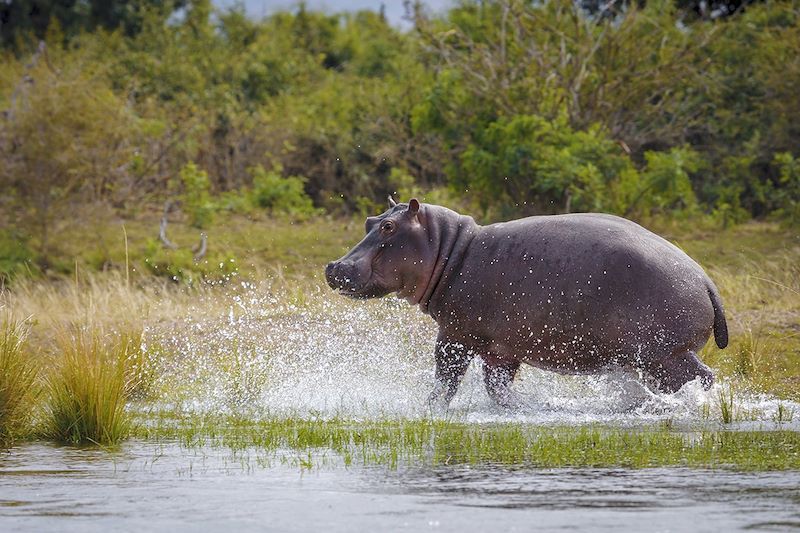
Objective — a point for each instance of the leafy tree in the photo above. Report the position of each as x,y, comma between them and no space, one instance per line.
65,138
22,20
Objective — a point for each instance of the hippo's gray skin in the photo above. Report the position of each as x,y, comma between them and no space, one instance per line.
579,293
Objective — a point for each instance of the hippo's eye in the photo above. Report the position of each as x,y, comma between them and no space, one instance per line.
387,227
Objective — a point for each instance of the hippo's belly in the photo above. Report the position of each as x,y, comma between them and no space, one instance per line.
578,333
566,352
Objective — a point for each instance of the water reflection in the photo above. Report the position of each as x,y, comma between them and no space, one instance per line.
159,486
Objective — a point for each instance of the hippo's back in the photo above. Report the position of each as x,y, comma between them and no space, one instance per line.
582,242
572,276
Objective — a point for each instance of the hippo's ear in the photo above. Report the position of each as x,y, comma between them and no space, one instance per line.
413,206
392,203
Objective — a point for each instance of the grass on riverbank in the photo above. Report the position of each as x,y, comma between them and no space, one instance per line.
397,443
18,375
252,247
87,391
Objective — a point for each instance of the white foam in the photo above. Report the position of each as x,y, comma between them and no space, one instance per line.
337,357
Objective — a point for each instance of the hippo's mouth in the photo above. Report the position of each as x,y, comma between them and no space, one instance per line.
371,288
344,287
350,293
363,293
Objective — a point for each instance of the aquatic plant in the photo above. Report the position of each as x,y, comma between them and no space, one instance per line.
88,389
727,406
396,442
18,373
783,414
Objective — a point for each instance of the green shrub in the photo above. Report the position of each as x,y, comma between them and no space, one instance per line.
180,266
281,195
728,209
16,257
404,187
545,165
196,196
664,183
789,195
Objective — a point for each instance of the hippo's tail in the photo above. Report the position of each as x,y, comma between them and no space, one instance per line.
720,324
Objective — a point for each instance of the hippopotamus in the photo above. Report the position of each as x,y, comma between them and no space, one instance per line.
580,293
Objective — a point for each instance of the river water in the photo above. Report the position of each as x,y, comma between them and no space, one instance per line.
158,487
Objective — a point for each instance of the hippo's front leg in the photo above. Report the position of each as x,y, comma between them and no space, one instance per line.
452,361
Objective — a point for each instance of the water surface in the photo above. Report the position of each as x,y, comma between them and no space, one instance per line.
147,486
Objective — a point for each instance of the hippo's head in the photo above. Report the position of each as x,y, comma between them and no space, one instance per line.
394,256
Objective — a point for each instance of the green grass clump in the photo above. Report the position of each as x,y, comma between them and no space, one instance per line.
87,392
17,381
394,443
783,414
727,405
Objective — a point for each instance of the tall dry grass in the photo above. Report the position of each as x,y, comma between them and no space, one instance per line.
108,301
104,299
87,391
762,306
18,373
88,332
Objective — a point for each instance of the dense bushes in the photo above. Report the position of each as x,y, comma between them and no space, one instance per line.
281,195
518,107
542,165
643,79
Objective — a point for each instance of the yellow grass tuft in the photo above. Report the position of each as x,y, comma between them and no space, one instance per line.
18,373
88,391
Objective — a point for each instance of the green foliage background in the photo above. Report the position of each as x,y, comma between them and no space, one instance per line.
504,108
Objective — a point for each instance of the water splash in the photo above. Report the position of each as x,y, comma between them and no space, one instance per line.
255,349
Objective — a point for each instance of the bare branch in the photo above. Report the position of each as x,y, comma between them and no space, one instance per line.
201,249
162,232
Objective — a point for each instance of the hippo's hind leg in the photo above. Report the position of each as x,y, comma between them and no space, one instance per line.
678,368
452,361
498,376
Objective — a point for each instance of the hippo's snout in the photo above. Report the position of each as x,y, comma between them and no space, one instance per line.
342,276
329,272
